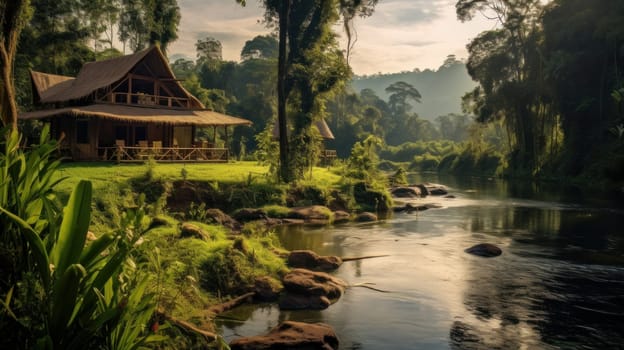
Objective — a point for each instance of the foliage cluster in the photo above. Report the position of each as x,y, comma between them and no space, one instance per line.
477,158
550,73
59,290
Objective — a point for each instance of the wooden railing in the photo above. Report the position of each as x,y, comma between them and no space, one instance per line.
148,100
163,154
328,156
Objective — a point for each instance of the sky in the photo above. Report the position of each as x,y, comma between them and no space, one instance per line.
401,35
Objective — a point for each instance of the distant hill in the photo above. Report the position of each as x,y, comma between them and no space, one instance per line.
441,90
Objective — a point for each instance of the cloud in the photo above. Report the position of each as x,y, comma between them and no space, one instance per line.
400,35
224,20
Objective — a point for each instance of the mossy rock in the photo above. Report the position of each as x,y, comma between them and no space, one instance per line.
188,230
267,288
158,222
370,199
341,217
313,212
249,214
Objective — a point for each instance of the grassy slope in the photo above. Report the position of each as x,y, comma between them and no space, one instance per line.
102,174
189,274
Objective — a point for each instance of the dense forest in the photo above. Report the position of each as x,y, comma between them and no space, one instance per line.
548,101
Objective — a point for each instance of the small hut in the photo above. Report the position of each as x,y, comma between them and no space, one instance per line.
126,109
327,155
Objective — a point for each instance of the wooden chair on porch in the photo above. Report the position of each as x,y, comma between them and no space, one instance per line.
175,150
121,153
143,151
157,149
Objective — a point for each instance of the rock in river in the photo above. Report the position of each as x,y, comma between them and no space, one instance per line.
291,335
267,288
307,289
366,217
310,260
485,250
405,192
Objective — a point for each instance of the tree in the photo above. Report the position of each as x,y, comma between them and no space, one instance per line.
132,25
209,49
400,92
183,68
101,17
15,15
306,40
507,64
262,46
149,22
582,44
454,126
163,20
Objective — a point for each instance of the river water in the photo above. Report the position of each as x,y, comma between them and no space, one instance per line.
559,283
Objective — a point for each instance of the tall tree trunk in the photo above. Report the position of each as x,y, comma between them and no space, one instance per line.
285,169
15,14
7,91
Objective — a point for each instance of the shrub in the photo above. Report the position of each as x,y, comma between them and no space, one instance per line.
63,292
370,198
276,211
426,162
399,177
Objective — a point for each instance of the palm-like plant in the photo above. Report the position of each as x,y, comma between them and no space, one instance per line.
90,298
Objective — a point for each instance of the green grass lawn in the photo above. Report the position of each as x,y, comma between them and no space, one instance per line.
102,175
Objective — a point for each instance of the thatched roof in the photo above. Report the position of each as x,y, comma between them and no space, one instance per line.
46,85
321,125
101,74
137,114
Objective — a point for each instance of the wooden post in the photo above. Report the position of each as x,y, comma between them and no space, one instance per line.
129,95
227,149
214,136
97,138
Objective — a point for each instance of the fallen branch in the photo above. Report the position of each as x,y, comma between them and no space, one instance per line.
221,308
364,257
189,327
213,310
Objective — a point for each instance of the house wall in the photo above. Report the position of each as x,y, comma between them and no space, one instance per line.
156,132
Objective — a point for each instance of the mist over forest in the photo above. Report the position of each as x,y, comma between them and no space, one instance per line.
441,89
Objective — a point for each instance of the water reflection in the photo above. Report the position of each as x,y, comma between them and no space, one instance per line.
558,284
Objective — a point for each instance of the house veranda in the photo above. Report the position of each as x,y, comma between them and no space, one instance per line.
128,109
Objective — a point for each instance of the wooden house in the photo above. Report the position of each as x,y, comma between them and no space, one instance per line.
126,109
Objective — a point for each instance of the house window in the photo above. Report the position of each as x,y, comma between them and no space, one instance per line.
82,131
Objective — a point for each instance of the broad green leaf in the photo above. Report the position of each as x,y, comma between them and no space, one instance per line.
74,227
64,299
93,250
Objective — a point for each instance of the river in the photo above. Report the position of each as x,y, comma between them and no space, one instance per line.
559,283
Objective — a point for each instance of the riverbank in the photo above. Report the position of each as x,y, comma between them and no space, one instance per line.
197,256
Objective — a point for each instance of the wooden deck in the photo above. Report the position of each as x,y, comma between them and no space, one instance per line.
122,154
